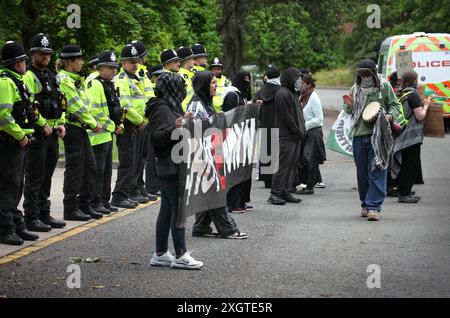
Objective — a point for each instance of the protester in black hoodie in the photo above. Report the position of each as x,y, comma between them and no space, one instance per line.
205,85
266,96
238,197
165,114
291,125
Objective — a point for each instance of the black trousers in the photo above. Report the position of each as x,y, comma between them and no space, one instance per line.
127,146
409,170
284,179
138,184
239,194
101,193
79,175
222,220
151,180
12,163
42,158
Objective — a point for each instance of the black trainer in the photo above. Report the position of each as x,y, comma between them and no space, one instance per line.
54,223
36,225
11,239
27,236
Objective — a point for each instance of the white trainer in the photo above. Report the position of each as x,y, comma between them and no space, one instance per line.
186,261
164,260
320,185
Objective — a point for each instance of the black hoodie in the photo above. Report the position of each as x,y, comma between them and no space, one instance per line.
233,98
288,113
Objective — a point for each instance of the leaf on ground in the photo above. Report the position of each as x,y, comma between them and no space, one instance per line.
76,260
92,260
98,286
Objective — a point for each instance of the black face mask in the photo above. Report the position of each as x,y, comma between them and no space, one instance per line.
414,85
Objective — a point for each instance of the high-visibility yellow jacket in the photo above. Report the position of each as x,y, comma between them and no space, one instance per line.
222,82
91,76
142,74
198,68
100,111
9,95
187,76
132,97
77,100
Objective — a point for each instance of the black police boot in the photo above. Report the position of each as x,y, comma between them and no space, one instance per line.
275,199
90,211
290,199
36,225
127,204
76,216
27,236
11,239
151,197
139,198
54,223
101,209
110,207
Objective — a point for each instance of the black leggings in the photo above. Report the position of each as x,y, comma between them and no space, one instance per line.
409,170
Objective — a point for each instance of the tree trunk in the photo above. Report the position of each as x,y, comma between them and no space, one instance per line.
232,30
28,28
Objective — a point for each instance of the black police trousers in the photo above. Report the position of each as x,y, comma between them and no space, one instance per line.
103,157
12,162
137,185
127,146
40,164
80,172
151,180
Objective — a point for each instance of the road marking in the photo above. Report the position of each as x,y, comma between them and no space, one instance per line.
69,233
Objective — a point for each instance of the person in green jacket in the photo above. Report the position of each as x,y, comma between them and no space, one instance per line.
107,111
17,119
80,162
372,140
42,155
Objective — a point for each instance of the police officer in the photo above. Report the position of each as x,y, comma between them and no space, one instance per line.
139,185
93,61
80,162
17,117
107,111
187,63
170,61
200,58
222,81
154,72
132,99
42,155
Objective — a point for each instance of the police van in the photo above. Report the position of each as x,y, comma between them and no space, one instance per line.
431,59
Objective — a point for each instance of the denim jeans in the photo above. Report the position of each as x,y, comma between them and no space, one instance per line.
167,219
371,184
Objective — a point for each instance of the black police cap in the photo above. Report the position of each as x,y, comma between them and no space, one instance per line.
139,45
156,70
107,58
185,52
216,63
130,52
199,50
71,51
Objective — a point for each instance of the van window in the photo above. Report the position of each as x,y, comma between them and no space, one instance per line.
382,63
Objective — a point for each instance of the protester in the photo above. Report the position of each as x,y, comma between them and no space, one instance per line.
372,142
314,149
291,125
266,95
205,86
165,114
406,159
238,197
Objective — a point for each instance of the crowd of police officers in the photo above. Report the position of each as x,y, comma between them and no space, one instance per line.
38,107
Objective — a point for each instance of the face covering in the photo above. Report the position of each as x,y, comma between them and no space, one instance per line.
367,82
298,85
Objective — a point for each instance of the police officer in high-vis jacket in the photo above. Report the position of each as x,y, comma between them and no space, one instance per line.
18,117
107,111
200,58
44,153
80,162
222,81
187,63
139,186
132,99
